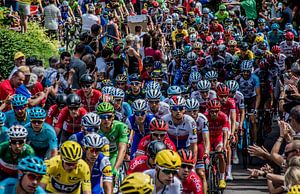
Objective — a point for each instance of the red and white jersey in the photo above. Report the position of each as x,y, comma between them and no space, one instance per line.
217,126
211,95
193,184
138,164
202,126
229,107
89,104
280,61
286,48
163,109
240,103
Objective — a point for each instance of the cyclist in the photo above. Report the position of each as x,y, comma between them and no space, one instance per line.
172,91
136,91
279,58
54,110
212,77
99,164
121,82
116,132
190,180
138,123
20,113
70,117
3,129
288,44
178,35
182,127
139,183
244,53
204,94
218,133
145,162
13,150
158,131
41,136
167,163
89,96
31,170
67,172
155,106
122,109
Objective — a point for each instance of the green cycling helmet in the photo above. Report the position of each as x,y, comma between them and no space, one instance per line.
105,107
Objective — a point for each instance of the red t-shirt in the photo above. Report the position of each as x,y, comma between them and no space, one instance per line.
5,90
68,123
192,184
38,88
138,164
53,113
218,28
90,104
217,126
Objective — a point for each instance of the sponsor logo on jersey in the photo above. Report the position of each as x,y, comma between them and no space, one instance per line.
63,188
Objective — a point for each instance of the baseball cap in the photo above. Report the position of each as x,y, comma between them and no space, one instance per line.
18,55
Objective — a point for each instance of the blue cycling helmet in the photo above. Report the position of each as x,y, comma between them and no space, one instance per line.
174,90
288,27
153,85
198,20
275,26
19,100
118,93
37,113
32,164
247,65
187,48
157,65
2,117
261,21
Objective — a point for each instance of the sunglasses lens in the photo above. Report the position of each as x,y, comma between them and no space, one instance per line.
19,107
186,166
33,177
153,101
37,121
17,141
105,116
177,108
169,171
139,113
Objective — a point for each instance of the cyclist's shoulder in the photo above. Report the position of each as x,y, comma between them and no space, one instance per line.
201,117
8,186
118,125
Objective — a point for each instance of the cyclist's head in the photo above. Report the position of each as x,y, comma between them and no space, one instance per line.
17,137
153,98
37,118
153,148
19,103
158,129
73,103
213,107
86,81
93,144
31,171
121,81
187,163
177,107
2,118
138,183
222,92
118,97
106,112
71,153
135,82
139,108
90,122
233,87
61,100
192,107
203,87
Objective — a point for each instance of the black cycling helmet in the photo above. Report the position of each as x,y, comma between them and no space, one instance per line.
86,79
148,61
180,25
61,100
154,147
73,100
244,46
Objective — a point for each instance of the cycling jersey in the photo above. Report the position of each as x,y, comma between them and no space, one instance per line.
42,141
178,37
193,184
163,109
3,134
240,103
89,104
210,60
142,147
248,55
9,186
211,95
202,126
275,37
130,97
68,123
174,187
138,164
183,134
286,48
124,113
280,61
11,118
59,180
229,106
138,134
52,116
9,163
248,87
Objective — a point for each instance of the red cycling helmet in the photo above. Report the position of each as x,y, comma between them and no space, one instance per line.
263,64
296,51
158,125
144,11
222,89
187,156
155,4
275,49
289,36
201,61
270,58
213,104
213,49
208,39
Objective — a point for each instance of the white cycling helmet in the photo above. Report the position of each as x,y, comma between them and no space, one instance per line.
118,93
177,101
153,85
91,120
17,132
193,37
210,75
203,85
232,85
139,105
195,76
192,104
93,140
107,90
153,94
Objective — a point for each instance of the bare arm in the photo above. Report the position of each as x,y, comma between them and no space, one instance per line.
121,154
258,97
107,186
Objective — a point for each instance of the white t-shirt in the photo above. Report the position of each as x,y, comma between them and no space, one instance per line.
51,13
88,20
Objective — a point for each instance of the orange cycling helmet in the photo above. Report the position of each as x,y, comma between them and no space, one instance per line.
213,104
158,125
187,156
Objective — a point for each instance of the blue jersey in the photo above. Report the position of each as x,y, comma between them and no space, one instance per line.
77,137
42,141
124,113
3,134
138,135
9,186
11,118
248,87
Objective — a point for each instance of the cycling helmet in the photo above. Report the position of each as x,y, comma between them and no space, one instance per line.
61,100
91,120
198,20
213,49
222,48
19,100
211,75
153,85
32,164
246,65
180,25
157,65
244,46
289,36
65,3
17,131
275,49
71,151
195,76
93,140
288,27
222,89
191,30
263,64
158,125
155,4
105,107
73,100
175,16
270,58
204,85
295,189
228,21
107,90
187,48
275,26
259,39
153,94
86,79
250,23
174,90
205,10
193,37
192,104
137,182
232,85
37,113
118,93
197,45
232,43
217,35
166,10
121,78
213,104
148,60
135,77
168,159
139,105
2,117
187,156
191,56
169,21
261,21
177,53
154,147
177,101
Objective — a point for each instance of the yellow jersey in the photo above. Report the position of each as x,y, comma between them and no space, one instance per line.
60,181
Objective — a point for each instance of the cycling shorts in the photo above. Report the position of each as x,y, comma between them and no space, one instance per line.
200,162
250,104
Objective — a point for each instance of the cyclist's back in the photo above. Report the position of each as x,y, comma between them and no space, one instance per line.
11,118
8,186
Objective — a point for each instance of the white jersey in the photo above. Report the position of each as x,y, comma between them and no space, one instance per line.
174,188
239,99
211,95
202,123
287,49
163,109
280,62
184,134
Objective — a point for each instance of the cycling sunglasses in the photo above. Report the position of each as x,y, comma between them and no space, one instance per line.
135,83
139,113
188,166
153,101
33,177
19,107
37,121
157,135
86,85
213,111
94,150
106,116
177,108
17,141
167,171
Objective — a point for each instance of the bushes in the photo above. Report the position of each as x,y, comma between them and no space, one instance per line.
33,43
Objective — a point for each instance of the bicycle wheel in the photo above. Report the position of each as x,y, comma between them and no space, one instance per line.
245,143
212,180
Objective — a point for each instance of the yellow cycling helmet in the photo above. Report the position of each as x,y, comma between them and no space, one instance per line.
168,159
71,151
259,39
138,182
294,189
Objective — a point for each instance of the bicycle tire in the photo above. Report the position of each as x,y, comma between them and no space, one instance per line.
212,180
245,143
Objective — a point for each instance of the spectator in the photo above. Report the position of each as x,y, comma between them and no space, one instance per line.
249,6
89,19
19,60
52,16
292,175
286,15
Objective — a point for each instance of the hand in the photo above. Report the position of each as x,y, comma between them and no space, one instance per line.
257,151
285,130
206,159
255,173
267,168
